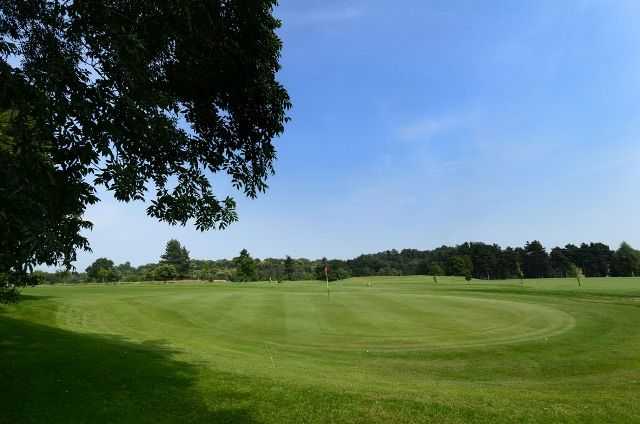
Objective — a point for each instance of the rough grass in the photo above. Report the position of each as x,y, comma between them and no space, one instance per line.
389,350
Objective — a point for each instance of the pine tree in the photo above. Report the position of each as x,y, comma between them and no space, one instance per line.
177,255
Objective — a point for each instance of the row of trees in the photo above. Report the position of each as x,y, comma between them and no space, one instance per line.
472,260
175,263
490,261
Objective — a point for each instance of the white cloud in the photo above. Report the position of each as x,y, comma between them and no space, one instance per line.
427,128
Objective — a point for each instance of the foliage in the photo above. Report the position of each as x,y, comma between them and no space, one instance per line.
336,270
41,202
460,265
36,278
177,255
479,260
149,273
9,294
560,262
223,275
594,258
626,261
164,272
435,269
245,267
535,262
102,270
288,267
133,96
484,259
126,271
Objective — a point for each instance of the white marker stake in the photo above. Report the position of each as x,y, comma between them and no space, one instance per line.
326,276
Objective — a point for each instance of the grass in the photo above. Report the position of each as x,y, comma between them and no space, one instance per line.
384,349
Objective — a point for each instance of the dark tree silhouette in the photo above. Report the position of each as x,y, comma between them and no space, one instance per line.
535,262
626,261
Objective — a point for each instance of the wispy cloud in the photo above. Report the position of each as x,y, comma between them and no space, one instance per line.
427,128
321,16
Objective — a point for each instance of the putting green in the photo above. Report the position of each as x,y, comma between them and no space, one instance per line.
299,321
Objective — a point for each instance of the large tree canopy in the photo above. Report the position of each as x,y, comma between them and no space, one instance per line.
134,96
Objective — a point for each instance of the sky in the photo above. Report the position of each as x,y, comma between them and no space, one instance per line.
420,123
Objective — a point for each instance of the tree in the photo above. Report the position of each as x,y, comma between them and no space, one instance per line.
61,276
435,269
509,263
626,261
9,294
102,270
133,96
535,262
484,258
460,265
336,270
560,263
149,273
126,271
289,267
165,272
599,263
177,255
38,278
245,267
223,274
206,272
103,275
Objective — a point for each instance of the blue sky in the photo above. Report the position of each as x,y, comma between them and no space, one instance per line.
421,123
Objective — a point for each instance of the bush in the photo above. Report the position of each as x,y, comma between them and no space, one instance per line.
223,274
165,272
150,274
9,294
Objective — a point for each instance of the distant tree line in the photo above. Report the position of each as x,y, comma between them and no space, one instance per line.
472,260
491,262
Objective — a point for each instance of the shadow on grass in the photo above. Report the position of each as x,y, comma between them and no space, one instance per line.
27,298
49,375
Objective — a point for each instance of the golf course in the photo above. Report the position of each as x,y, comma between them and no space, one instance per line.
375,349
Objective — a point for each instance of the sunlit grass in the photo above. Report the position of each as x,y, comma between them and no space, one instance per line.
380,349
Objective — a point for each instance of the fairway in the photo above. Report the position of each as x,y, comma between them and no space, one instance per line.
378,349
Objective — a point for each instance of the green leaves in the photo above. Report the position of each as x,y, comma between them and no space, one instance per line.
145,96
245,267
102,270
